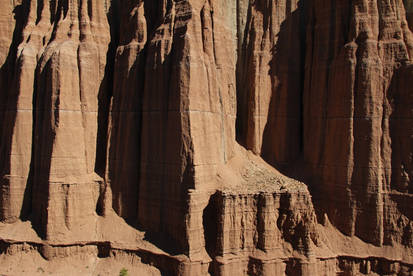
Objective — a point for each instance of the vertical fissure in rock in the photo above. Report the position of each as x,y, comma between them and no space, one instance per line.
105,95
52,10
240,74
40,6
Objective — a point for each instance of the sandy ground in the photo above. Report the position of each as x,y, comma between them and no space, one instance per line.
34,264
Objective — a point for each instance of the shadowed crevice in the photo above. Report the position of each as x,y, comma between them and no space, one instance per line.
104,96
8,106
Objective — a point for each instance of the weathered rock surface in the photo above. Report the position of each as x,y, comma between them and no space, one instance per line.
196,137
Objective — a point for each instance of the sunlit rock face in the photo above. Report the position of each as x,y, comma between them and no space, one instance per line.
213,137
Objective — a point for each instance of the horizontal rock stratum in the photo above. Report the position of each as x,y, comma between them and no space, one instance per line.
206,137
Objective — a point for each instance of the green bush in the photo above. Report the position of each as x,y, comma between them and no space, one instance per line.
123,272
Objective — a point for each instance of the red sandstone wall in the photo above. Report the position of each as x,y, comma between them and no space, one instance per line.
138,115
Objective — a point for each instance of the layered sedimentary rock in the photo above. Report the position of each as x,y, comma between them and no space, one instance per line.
364,59
270,80
50,122
207,137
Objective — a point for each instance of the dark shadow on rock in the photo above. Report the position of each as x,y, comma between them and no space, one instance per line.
104,96
9,73
127,86
400,123
210,225
146,128
26,212
408,6
163,241
242,90
282,138
45,107
167,171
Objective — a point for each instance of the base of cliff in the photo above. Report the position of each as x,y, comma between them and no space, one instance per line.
259,222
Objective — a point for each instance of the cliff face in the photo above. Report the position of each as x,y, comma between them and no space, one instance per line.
207,137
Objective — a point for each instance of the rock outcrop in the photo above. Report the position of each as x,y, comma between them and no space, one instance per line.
196,137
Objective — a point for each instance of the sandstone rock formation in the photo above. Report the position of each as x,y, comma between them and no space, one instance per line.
206,137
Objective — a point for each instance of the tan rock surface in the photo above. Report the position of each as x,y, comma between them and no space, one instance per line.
206,137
